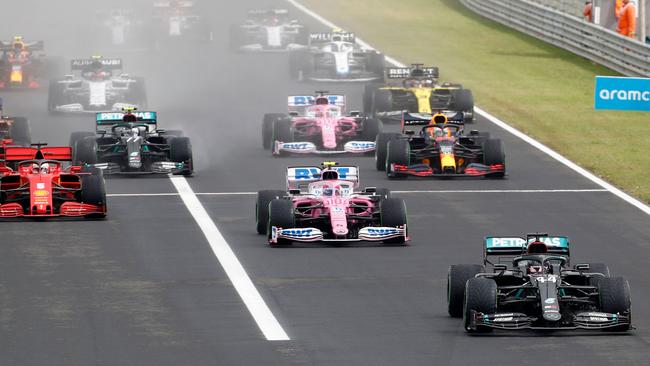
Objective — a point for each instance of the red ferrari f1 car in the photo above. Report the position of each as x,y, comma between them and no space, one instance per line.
37,182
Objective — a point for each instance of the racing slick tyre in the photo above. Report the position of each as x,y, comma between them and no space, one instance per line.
377,65
20,132
393,214
614,298
93,192
457,277
462,100
180,150
371,128
267,128
55,96
368,96
85,151
398,152
381,148
78,135
282,131
262,208
493,154
480,296
281,214
598,268
382,101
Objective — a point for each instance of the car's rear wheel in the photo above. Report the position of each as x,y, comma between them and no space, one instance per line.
371,128
382,101
462,100
480,296
264,198
85,151
457,277
78,135
393,214
20,132
281,215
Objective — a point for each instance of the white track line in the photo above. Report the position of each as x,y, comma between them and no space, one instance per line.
263,316
397,192
545,149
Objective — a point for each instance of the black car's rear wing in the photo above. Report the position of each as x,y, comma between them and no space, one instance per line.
511,246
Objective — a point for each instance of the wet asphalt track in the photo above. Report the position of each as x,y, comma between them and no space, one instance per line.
143,287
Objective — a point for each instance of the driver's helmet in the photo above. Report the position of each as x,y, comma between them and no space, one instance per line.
18,44
535,269
129,117
330,174
272,18
322,101
412,83
536,247
437,132
45,168
35,168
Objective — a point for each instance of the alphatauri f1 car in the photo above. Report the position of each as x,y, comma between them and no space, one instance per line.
268,31
96,88
415,89
437,146
330,210
321,127
36,182
529,283
336,57
131,143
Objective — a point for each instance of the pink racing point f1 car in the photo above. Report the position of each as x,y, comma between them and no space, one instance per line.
322,127
323,205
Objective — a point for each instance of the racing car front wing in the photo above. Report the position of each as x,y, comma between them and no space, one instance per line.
424,170
310,234
350,147
70,209
158,167
516,321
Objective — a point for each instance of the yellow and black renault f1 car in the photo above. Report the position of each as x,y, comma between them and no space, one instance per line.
437,146
415,89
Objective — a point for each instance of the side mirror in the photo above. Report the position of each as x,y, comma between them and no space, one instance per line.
583,267
370,190
294,114
355,114
69,77
294,192
409,133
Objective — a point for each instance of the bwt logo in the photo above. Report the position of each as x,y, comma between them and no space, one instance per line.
363,145
382,232
297,232
300,146
310,173
625,95
309,100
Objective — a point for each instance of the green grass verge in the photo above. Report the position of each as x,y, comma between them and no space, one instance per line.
540,89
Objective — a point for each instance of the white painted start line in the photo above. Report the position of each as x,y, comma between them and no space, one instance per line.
442,191
538,145
260,311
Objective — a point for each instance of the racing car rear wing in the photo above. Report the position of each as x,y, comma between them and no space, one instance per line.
32,46
298,177
111,118
258,12
331,37
107,63
415,71
178,4
300,101
20,153
508,246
